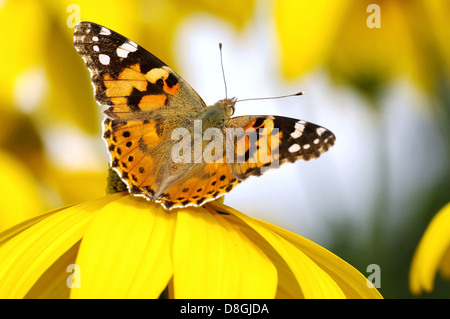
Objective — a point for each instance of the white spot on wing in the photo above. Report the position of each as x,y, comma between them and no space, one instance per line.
95,38
294,148
296,134
124,49
316,141
105,31
96,48
320,131
122,53
104,59
130,46
306,146
299,127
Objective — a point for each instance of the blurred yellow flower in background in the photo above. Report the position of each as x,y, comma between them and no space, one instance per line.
16,185
432,254
412,41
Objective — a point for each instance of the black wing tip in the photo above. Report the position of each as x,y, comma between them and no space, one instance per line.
85,27
83,24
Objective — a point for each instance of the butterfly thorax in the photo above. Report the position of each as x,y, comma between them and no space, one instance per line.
218,114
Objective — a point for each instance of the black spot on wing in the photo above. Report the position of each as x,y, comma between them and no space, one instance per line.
171,80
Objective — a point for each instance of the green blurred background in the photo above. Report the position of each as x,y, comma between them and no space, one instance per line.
378,77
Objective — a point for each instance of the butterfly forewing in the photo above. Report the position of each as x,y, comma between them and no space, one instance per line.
128,77
270,141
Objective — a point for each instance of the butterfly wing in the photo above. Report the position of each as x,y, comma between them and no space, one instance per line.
128,78
202,183
146,100
257,143
268,141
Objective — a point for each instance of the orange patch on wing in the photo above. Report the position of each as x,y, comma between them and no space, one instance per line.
119,101
211,168
151,138
262,150
267,137
249,127
136,67
268,124
150,178
171,90
263,154
128,79
221,176
149,102
155,74
162,74
135,130
121,109
140,173
243,144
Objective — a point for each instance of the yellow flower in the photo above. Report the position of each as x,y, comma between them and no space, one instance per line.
432,254
121,246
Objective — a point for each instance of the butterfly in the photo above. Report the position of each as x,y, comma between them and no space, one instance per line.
165,143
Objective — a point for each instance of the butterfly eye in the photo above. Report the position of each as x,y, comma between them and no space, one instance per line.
231,106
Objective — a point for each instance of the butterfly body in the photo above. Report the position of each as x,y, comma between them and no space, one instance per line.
217,115
165,143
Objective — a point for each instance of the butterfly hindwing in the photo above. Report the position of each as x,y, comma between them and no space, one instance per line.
139,154
203,183
260,143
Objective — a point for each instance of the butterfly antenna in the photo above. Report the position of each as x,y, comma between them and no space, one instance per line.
272,97
223,72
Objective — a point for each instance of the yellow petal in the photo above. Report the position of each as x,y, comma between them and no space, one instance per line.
288,287
349,279
125,252
428,256
18,228
25,257
213,259
53,283
444,265
312,279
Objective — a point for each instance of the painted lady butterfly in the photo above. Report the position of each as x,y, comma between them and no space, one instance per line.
151,107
